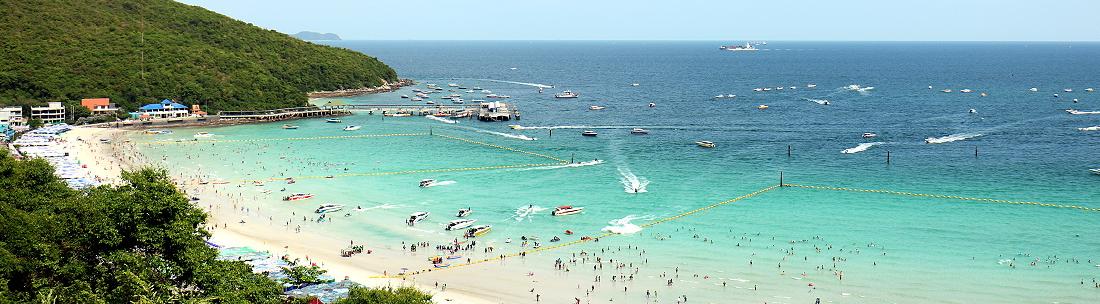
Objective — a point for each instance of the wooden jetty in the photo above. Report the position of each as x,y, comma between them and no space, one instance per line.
485,111
283,114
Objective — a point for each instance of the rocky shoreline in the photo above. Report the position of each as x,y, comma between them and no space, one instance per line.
385,87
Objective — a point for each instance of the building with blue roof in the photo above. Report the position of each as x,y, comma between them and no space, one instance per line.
165,109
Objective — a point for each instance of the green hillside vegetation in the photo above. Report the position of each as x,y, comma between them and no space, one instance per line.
142,51
137,243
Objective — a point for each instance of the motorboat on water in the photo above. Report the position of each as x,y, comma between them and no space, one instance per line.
326,208
762,107
705,144
457,101
1079,112
289,127
333,120
478,230
652,105
1033,89
757,89
811,85
298,197
416,217
596,108
404,96
634,84
1090,90
430,102
478,88
352,128
1067,90
515,127
458,224
973,111
1093,128
426,183
589,133
417,99
966,91
738,48
946,90
464,212
203,135
566,210
1095,171
639,131
566,94
869,135
453,85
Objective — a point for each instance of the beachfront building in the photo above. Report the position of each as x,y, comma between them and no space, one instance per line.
12,116
165,109
99,106
52,113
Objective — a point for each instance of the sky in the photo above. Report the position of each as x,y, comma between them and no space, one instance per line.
840,20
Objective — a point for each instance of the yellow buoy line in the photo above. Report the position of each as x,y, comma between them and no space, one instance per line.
502,147
282,139
387,173
582,240
955,197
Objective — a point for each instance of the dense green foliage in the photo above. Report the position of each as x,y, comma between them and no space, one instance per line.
142,242
137,243
386,295
142,51
304,275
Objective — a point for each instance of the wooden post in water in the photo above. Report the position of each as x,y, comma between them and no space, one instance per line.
430,131
551,132
571,157
975,151
788,156
781,179
887,157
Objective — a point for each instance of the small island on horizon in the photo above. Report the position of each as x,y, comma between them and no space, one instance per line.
308,35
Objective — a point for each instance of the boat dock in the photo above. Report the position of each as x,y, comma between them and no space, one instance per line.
485,111
283,114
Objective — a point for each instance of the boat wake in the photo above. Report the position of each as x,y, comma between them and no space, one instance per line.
382,206
441,183
513,136
951,138
441,119
632,183
823,102
860,148
537,85
623,225
525,212
573,165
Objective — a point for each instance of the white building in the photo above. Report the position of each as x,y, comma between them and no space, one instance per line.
165,109
12,116
52,113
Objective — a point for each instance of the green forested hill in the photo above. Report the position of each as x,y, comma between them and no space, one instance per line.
140,51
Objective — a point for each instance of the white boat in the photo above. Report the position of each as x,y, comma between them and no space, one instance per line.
429,102
719,96
426,183
457,101
792,87
731,96
1079,112
634,84
762,107
929,87
453,85
1095,171
1089,90
203,135
589,133
566,210
738,48
705,144
973,111
1033,89
966,91
486,91
298,197
757,89
639,131
469,91
289,127
652,105
326,208
477,231
459,224
566,94
515,127
596,108
1068,90
811,85
1093,128
352,128
946,90
464,212
766,89
477,88
416,217
333,120
869,135
417,99
404,96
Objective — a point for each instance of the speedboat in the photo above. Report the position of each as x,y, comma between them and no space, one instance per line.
946,90
966,91
469,91
1079,112
464,212
203,135
732,96
427,183
639,131
566,210
596,108
416,217
289,127
589,133
1034,89
757,90
811,85
459,224
566,94
478,230
634,84
457,100
333,120
430,102
352,128
478,88
326,208
1089,90
762,107
973,111
515,127
1095,171
453,85
652,105
298,197
869,135
705,144
1093,128
404,96
417,99
1068,90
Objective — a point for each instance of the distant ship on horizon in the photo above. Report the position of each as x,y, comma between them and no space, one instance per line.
746,47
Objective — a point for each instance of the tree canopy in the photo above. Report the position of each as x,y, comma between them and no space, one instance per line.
142,51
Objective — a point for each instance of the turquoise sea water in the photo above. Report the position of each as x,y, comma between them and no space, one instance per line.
891,249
